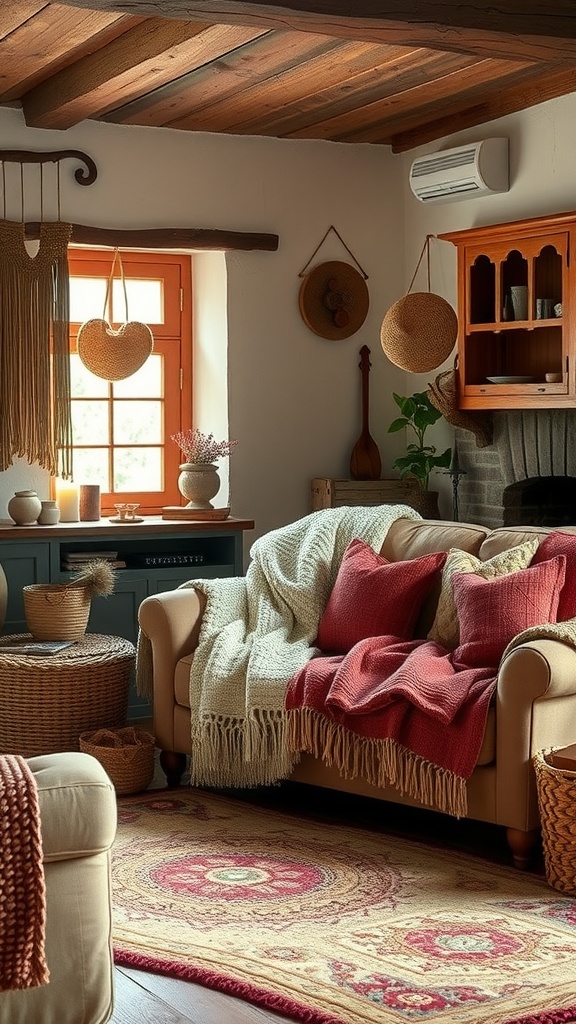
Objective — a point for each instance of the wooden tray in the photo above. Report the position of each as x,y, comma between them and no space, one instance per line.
195,514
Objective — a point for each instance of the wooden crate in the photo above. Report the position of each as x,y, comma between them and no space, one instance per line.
328,493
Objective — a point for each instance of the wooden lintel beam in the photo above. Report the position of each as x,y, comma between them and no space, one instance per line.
165,238
518,29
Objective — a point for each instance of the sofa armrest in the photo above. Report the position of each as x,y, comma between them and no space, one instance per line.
171,621
535,710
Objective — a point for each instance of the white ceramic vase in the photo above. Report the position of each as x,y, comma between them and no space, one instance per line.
199,483
24,508
50,513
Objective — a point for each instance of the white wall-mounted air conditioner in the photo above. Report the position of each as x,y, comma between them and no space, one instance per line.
474,169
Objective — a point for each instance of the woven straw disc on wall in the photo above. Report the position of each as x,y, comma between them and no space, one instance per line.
111,354
334,300
419,332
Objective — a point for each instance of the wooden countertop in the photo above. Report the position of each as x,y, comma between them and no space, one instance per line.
104,528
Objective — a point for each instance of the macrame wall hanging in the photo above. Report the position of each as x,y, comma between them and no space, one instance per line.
35,418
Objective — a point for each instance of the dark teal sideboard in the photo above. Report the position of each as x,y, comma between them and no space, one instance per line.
158,555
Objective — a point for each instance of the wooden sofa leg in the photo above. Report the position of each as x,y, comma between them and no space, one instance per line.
522,846
173,765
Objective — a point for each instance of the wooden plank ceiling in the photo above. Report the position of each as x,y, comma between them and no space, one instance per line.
398,74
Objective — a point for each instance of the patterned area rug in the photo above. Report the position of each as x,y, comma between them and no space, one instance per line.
335,925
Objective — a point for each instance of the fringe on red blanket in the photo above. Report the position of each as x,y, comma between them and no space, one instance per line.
22,885
380,762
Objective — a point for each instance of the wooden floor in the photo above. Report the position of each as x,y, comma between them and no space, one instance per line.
143,998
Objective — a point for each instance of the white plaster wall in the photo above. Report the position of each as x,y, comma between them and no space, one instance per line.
542,179
293,398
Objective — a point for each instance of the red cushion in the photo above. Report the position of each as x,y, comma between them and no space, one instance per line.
375,597
559,543
492,612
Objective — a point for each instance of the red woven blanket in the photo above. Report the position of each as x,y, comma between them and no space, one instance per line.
400,713
22,888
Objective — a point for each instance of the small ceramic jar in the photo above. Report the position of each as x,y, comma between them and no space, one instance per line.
24,508
50,514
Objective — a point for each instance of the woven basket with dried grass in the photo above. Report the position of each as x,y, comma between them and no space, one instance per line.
60,611
127,755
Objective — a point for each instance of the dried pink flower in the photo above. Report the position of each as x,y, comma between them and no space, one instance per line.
201,448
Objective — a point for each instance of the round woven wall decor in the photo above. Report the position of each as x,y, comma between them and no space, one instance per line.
419,331
334,300
113,354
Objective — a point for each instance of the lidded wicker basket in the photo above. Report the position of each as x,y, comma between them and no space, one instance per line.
556,789
126,754
56,611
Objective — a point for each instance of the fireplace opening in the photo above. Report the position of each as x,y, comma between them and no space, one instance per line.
541,501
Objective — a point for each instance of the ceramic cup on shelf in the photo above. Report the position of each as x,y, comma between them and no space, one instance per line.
519,297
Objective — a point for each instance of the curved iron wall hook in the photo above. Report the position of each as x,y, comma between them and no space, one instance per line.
84,175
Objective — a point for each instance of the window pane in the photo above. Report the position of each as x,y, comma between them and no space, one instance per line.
90,422
137,422
87,296
147,382
145,301
138,469
83,383
91,467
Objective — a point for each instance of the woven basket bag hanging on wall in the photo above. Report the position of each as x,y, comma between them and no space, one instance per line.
114,354
419,331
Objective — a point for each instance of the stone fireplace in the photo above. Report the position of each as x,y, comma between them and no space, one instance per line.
526,476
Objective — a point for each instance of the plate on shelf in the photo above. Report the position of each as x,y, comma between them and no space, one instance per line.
126,522
512,380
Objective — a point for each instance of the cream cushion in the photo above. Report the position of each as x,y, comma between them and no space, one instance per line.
445,630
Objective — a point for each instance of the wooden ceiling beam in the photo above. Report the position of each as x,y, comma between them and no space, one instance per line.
514,29
528,89
151,53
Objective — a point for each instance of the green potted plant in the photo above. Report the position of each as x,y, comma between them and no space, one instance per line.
420,459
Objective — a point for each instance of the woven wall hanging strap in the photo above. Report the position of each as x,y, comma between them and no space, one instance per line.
114,354
419,331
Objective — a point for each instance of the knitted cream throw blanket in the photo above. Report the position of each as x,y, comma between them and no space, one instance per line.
22,889
256,632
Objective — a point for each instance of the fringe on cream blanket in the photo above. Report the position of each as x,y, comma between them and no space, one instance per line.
22,888
256,632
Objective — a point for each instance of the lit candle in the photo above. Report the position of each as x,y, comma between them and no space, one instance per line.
68,501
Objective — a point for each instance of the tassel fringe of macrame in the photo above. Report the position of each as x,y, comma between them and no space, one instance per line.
35,389
239,753
380,762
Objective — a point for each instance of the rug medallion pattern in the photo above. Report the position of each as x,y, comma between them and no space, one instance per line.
334,924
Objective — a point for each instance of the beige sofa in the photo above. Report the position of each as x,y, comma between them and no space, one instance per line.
77,806
534,707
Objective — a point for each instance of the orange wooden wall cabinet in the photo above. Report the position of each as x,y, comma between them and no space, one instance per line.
516,314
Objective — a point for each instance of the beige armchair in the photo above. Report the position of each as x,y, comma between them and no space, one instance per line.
77,806
534,705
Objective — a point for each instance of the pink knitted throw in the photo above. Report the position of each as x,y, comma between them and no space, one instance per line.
22,888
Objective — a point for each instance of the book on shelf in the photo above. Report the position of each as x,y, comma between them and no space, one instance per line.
89,556
117,563
34,648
